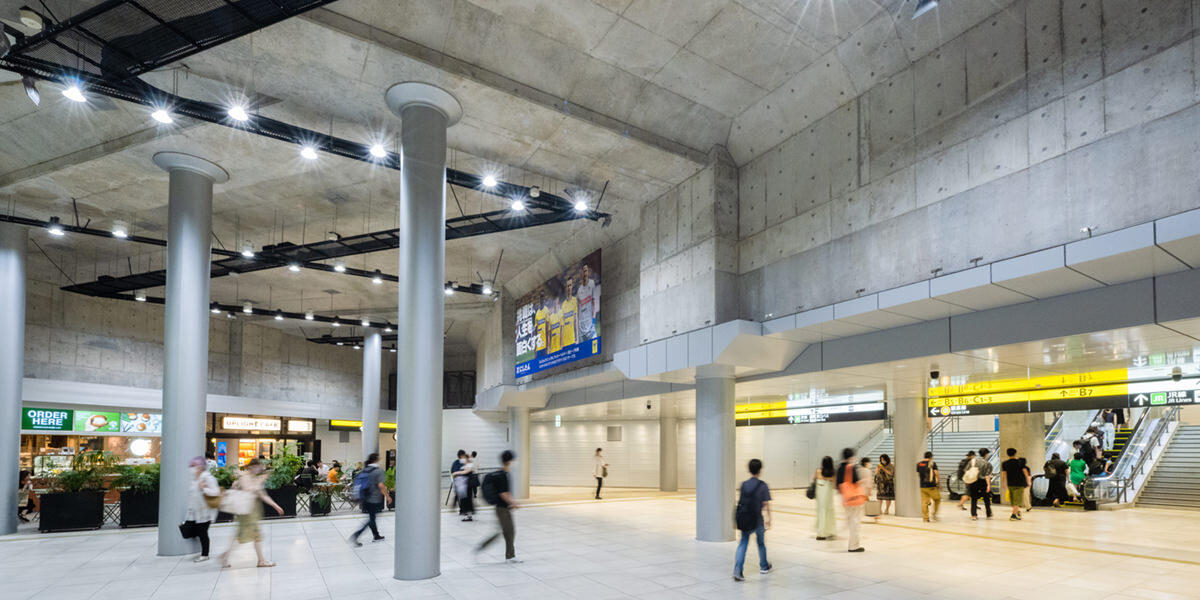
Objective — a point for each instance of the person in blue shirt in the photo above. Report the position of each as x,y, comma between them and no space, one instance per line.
760,497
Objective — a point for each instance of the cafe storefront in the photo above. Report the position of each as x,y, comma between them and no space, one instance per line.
236,439
51,437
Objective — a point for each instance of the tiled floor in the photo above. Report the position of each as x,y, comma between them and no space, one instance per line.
642,547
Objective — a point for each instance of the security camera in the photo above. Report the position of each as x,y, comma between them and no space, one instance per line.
934,375
1176,374
647,405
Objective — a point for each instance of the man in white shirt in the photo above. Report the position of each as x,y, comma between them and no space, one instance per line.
588,295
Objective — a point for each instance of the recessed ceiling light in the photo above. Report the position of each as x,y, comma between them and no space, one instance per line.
378,151
308,153
74,93
162,116
489,181
237,112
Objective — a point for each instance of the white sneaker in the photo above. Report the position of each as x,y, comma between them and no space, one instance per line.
514,561
199,559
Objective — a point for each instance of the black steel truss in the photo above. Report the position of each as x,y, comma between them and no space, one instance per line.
348,339
266,312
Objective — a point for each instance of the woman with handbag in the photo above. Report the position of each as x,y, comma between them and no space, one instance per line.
885,482
244,500
204,496
823,484
599,470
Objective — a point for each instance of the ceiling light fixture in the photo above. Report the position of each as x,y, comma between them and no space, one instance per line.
308,316
378,151
339,266
248,307
140,296
31,19
214,308
924,6
31,90
294,267
392,349
336,322
237,112
247,249
366,322
357,347
278,315
535,191
74,93
487,288
55,227
162,116
387,329
308,153
449,289
377,278
120,229
341,344
580,206
518,206
489,181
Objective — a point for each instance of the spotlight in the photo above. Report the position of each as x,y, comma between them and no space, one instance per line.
341,344
339,266
366,322
392,349
357,347
333,236
31,90
518,206
214,309
120,229
336,323
237,112
74,93
308,153
580,206
55,227
308,316
449,289
535,191
140,296
294,267
247,249
387,329
248,307
162,116
378,151
487,288
278,315
377,278
489,181
924,6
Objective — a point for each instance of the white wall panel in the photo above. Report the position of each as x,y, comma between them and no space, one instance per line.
467,430
563,455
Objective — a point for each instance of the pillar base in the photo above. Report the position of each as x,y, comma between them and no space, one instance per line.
409,93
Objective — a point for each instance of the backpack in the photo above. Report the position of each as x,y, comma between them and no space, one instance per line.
744,515
1050,471
971,473
852,492
361,485
491,487
925,468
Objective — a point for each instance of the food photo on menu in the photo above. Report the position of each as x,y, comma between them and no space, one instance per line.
97,421
141,422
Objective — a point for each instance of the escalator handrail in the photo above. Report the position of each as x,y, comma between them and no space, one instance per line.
1146,440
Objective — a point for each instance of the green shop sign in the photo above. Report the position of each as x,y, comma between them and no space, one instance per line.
47,419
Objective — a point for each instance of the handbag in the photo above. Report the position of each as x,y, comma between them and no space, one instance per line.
604,471
811,492
852,493
187,529
237,502
871,508
213,501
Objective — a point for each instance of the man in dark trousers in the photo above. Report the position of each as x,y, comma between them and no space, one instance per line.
498,490
373,493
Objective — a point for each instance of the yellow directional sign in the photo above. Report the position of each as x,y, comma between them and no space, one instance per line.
1036,383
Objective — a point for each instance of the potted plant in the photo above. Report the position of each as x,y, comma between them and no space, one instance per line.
320,501
224,477
139,494
284,466
77,501
389,480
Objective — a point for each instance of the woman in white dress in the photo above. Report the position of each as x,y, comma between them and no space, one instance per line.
199,514
599,470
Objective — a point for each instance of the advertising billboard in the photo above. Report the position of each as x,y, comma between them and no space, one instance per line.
47,419
559,321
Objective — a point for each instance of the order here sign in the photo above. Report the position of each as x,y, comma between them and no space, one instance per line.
47,419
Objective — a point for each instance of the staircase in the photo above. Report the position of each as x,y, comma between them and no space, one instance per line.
1174,483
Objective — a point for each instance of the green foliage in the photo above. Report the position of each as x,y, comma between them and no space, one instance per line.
321,500
389,478
224,476
87,471
284,466
140,479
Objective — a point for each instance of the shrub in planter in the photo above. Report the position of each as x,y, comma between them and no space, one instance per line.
77,501
139,494
320,502
224,477
283,466
285,497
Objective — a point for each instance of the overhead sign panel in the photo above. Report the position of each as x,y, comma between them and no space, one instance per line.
785,412
1080,397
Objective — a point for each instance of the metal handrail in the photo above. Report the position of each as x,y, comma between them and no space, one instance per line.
953,424
1120,485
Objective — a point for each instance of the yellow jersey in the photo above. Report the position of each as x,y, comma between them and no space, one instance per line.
540,320
555,332
569,310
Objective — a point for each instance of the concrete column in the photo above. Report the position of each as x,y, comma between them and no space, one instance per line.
909,429
372,354
185,339
1027,433
425,112
13,241
668,445
518,433
714,453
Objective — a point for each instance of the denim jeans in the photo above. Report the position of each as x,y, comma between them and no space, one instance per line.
740,558
372,509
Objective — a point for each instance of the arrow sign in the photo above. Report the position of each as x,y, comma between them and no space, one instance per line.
933,412
1141,399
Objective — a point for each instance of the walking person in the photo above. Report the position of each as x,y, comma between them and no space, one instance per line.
202,490
978,477
1028,504
249,496
473,479
1056,471
753,516
1015,481
599,470
823,480
498,492
460,473
931,492
962,467
1110,428
850,479
885,483
371,490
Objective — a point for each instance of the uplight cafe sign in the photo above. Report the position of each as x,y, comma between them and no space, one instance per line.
251,424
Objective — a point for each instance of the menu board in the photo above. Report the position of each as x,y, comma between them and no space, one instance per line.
90,421
144,422
46,419
99,422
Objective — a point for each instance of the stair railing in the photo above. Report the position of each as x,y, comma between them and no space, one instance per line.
871,440
944,425
1150,437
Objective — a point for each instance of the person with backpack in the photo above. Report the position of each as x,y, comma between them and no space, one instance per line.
958,473
1055,471
927,474
753,516
978,477
498,493
370,490
849,481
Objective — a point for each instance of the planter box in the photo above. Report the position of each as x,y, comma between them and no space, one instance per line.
139,510
71,511
285,497
317,511
224,517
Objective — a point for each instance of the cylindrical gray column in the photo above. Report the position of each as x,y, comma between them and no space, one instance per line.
372,348
185,339
518,433
908,431
13,240
1027,433
425,112
668,446
714,453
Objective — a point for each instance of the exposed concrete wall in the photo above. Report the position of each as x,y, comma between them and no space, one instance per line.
689,253
1047,117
